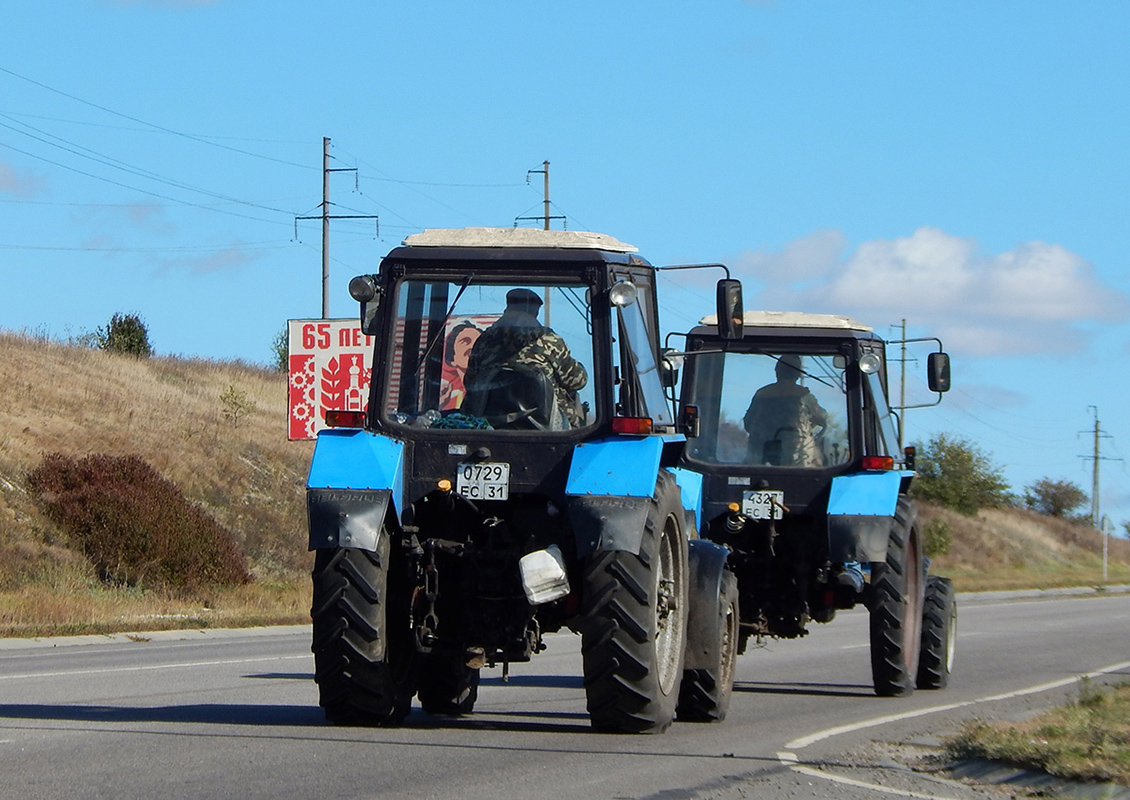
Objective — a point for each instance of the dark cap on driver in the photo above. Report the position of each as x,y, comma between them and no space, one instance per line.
522,297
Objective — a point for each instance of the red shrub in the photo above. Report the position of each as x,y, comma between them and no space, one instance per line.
136,526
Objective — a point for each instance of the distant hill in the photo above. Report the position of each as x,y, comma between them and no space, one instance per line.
218,431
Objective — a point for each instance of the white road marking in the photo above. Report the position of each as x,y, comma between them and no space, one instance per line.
789,758
794,764
148,668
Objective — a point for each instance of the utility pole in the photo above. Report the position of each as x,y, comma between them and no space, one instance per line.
545,218
1096,457
325,217
545,165
325,227
902,384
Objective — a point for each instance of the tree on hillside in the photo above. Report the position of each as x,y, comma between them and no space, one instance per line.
126,333
280,348
955,473
1054,498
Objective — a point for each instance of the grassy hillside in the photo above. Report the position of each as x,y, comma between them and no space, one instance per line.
217,430
1008,548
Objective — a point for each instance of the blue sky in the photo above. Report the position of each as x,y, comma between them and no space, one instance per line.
960,165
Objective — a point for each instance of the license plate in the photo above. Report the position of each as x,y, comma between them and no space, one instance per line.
483,480
763,504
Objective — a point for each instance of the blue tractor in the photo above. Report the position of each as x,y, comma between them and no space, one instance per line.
804,482
511,476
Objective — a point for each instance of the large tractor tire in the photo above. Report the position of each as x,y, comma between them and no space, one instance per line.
363,648
896,607
939,634
634,625
704,695
445,685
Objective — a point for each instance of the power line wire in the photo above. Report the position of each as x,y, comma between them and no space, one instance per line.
148,124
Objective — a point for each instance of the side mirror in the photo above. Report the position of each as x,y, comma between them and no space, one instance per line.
669,366
364,290
730,310
938,372
689,422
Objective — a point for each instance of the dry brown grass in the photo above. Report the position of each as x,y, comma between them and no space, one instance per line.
1017,549
168,411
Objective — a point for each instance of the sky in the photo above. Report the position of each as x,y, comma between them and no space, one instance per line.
959,165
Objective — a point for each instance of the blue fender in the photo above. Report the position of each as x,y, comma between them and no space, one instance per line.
356,482
861,508
609,491
690,487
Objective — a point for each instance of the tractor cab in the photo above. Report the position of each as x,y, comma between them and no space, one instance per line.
796,401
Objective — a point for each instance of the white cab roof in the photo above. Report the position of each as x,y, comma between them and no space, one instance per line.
517,237
793,319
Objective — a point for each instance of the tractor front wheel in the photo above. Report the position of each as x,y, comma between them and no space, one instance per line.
939,634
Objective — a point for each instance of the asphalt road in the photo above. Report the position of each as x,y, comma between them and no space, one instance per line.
234,714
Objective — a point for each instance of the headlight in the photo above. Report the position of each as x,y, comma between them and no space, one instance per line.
622,293
869,364
363,288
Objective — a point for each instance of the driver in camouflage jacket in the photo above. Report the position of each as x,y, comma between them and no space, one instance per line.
517,338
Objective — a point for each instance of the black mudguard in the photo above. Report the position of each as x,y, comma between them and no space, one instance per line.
858,537
707,566
607,522
347,517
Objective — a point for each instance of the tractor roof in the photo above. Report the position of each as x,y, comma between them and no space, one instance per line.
794,319
518,238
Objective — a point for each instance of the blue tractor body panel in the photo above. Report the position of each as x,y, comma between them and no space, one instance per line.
624,466
866,493
356,459
356,483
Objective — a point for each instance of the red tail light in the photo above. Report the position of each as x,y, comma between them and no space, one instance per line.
878,462
345,419
631,425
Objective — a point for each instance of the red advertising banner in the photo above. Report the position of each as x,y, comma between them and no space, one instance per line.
329,363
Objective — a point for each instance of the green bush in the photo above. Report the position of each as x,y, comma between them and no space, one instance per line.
280,351
134,525
236,405
937,537
1054,498
955,473
126,333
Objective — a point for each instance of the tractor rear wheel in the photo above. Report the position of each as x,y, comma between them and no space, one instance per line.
363,647
634,633
896,607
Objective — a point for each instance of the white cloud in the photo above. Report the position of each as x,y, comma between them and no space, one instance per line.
1032,298
228,258
23,186
808,257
